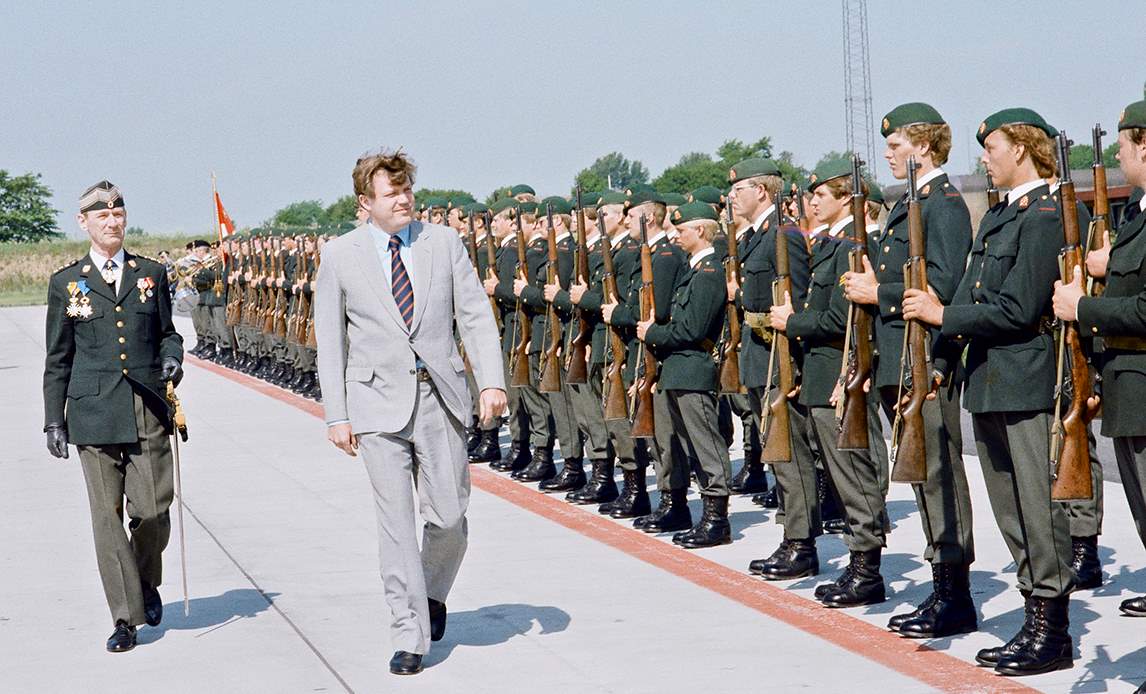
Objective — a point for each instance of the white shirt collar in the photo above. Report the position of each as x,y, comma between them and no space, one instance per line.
928,177
820,229
100,259
764,216
590,240
872,227
699,256
1142,204
657,237
1019,191
562,236
838,227
619,239
509,238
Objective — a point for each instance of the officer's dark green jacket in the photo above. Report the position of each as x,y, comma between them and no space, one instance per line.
626,252
96,359
947,240
670,265
1121,312
1002,308
818,329
506,301
534,294
757,249
684,344
204,281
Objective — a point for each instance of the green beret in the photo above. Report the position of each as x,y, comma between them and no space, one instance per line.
102,196
673,199
1013,116
1133,116
916,113
527,207
826,172
474,208
640,197
560,205
639,188
502,205
708,194
750,168
874,193
692,211
435,202
612,197
522,188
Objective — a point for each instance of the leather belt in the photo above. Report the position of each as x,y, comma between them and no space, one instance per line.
1126,344
761,324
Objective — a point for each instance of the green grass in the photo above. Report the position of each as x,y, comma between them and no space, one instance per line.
26,267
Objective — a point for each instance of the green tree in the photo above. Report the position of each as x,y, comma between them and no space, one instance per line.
733,151
25,211
133,231
833,157
613,168
423,193
342,210
497,194
792,172
300,214
692,171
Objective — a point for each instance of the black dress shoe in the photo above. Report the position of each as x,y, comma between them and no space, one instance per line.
437,619
798,559
950,609
669,517
152,605
1048,646
404,663
711,530
1084,562
122,639
1134,607
864,587
572,476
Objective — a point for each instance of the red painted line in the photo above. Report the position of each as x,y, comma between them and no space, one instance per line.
905,656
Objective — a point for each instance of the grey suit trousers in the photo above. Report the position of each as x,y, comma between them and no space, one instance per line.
141,472
428,457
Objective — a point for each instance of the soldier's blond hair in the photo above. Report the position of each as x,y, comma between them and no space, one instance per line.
936,135
1037,145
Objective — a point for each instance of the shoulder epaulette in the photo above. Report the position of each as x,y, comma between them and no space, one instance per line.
67,265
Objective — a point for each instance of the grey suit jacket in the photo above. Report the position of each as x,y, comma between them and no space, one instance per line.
366,355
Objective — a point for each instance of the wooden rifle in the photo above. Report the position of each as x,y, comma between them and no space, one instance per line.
802,219
729,348
549,381
855,371
311,339
1069,447
1100,223
267,316
776,422
491,266
523,329
908,443
992,192
613,389
646,378
282,302
471,241
580,333
302,306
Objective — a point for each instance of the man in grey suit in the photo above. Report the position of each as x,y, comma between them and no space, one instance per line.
386,300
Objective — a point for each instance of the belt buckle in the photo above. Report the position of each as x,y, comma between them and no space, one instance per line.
423,376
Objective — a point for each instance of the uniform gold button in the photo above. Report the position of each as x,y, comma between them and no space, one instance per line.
119,324
893,309
119,309
1094,330
125,370
886,249
882,267
978,284
123,357
122,340
984,245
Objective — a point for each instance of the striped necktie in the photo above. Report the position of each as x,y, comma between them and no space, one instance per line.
400,282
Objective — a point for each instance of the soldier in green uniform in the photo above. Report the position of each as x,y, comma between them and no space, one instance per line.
669,266
1002,312
1119,318
210,281
917,130
111,347
819,330
684,347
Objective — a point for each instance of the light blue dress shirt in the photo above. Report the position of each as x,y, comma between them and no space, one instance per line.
382,244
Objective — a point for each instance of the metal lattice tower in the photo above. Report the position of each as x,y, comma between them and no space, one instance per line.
857,83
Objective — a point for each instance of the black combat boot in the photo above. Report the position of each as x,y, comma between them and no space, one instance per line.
540,467
668,517
1048,645
1084,563
515,459
633,501
600,487
264,368
949,610
712,529
794,558
864,587
769,499
1134,607
226,358
473,435
572,476
825,588
831,515
751,479
488,449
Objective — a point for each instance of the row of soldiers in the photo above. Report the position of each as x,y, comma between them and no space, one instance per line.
254,312
636,326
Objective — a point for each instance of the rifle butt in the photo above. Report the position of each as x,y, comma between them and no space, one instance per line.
643,425
1072,476
520,368
910,465
550,379
578,372
778,437
853,423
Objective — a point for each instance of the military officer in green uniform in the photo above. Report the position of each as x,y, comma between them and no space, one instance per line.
1118,317
684,347
111,347
210,281
1001,311
820,330
918,130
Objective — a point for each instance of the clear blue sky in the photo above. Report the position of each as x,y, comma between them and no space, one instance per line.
279,98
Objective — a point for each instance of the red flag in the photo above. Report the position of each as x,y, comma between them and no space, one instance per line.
226,226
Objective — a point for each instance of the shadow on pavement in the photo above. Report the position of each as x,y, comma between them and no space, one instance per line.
495,624
208,613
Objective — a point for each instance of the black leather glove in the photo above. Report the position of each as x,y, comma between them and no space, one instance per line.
57,440
172,370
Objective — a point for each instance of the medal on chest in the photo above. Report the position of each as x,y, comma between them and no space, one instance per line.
79,305
145,285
